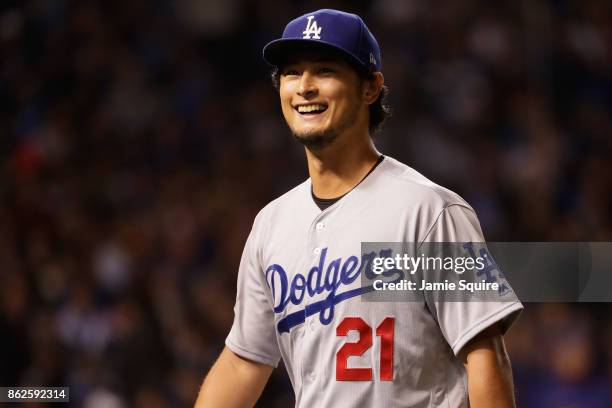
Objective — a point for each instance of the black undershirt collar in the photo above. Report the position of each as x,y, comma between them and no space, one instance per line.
324,203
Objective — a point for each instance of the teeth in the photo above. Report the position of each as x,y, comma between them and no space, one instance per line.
310,108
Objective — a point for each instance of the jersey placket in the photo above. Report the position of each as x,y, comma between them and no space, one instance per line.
311,369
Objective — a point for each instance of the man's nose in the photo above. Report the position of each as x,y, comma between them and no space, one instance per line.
307,87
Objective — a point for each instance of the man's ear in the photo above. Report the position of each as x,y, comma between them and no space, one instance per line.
371,88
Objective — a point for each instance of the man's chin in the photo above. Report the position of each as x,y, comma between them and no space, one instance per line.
316,140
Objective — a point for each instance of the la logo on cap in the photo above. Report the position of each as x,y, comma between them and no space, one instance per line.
312,28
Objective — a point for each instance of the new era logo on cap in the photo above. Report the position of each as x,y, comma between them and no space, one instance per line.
344,32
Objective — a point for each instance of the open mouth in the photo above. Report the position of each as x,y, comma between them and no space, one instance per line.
311,109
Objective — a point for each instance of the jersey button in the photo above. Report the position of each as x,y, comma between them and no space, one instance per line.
319,226
317,251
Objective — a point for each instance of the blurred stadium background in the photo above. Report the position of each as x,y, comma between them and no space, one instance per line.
140,138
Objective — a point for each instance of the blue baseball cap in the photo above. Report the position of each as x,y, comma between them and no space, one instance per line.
331,29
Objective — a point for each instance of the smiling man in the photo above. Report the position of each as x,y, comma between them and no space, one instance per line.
298,281
321,95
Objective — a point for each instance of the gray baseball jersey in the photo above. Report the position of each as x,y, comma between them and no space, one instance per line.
352,353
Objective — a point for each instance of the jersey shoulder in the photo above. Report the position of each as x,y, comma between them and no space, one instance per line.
407,184
289,205
420,199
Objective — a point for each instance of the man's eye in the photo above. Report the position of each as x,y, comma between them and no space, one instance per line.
289,72
326,70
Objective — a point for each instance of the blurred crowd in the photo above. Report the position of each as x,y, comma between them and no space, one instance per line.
140,138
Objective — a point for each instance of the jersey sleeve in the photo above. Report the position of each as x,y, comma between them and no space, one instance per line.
461,321
252,335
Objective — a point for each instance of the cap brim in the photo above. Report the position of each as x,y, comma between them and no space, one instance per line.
276,52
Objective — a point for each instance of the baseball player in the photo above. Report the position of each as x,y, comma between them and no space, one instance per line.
298,294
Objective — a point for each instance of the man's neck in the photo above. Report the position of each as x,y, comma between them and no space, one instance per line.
337,169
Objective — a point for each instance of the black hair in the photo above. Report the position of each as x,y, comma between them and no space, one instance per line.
379,111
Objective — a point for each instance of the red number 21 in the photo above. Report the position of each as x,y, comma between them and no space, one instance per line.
384,330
